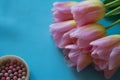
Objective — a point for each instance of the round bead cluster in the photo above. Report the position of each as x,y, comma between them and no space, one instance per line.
12,70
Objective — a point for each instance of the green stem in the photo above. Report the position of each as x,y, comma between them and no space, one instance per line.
112,4
113,24
112,12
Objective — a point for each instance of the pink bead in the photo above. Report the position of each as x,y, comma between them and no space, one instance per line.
20,71
3,78
23,69
6,74
15,78
3,71
18,67
7,78
14,69
23,77
23,73
6,68
11,67
14,65
15,73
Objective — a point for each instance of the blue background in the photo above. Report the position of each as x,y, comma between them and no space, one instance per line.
24,31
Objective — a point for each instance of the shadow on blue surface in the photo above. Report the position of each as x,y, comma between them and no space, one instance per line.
91,74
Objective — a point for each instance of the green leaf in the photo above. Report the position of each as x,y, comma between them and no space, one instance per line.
107,1
112,4
116,13
113,12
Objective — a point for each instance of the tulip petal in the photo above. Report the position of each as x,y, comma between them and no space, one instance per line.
114,60
101,53
109,73
73,55
72,46
101,64
69,62
58,29
62,26
66,40
110,41
83,61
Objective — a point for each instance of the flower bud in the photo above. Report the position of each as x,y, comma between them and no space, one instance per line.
88,11
62,11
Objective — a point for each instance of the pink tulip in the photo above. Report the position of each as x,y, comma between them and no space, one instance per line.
99,50
88,33
88,11
106,54
60,32
62,11
80,58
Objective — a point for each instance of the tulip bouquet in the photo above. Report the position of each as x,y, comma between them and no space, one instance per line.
82,39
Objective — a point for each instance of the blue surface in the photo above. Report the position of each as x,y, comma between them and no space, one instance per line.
24,31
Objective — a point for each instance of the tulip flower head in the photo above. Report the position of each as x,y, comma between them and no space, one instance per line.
106,53
87,33
88,11
58,31
62,11
78,57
